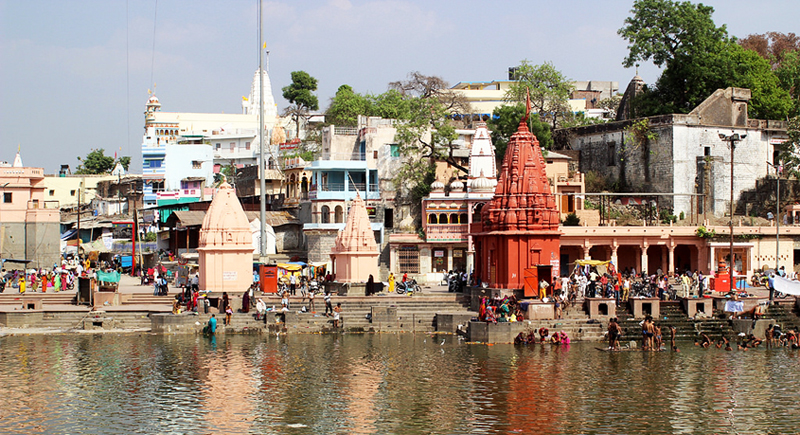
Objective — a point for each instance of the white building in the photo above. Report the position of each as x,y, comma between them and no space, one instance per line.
181,145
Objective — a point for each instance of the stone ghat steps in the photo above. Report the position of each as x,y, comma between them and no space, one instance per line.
685,328
62,298
785,316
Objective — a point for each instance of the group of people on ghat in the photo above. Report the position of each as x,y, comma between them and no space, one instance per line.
529,337
621,285
60,277
500,309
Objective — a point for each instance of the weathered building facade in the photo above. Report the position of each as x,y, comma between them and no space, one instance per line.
683,156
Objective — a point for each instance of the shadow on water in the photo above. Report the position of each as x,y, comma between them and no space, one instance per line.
384,383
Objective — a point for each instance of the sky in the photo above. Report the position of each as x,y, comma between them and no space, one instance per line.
75,75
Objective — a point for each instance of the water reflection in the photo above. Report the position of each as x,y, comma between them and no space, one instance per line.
384,383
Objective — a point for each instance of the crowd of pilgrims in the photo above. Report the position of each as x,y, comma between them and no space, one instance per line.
60,277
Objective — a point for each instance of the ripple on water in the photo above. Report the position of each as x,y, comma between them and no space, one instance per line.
385,383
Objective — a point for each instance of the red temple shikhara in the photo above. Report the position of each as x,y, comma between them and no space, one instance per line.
519,240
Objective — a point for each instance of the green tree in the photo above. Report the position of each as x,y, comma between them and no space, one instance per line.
125,161
96,162
300,95
549,90
345,107
662,30
505,121
427,132
698,57
789,151
789,75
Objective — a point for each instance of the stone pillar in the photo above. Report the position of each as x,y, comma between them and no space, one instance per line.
449,258
643,266
614,247
671,249
586,249
712,268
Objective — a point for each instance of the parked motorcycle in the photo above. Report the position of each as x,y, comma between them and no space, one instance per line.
409,286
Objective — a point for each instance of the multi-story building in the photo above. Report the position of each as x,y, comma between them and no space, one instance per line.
29,222
682,155
181,146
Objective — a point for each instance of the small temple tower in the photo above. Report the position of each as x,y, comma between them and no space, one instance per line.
355,253
519,241
226,245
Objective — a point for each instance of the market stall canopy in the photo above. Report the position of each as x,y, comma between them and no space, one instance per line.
291,267
592,262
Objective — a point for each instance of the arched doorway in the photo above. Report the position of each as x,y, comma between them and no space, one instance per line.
325,214
338,214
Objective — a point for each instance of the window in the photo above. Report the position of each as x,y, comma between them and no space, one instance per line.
612,154
72,193
155,163
7,197
394,150
217,146
388,218
408,259
233,146
706,151
247,145
196,164
52,192
375,154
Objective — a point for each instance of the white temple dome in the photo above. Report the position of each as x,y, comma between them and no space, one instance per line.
483,184
457,186
437,185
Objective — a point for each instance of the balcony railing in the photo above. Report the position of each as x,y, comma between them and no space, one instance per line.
339,187
345,131
452,232
43,205
356,156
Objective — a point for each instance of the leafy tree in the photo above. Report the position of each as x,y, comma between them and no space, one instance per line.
789,75
300,94
699,58
549,90
505,121
96,162
125,161
662,30
345,107
772,45
426,134
790,150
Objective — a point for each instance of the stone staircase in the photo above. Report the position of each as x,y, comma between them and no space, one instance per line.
414,314
784,315
672,314
14,299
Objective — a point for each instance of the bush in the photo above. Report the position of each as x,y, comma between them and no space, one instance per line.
572,220
150,237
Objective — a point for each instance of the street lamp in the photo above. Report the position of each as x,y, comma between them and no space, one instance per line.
778,169
732,139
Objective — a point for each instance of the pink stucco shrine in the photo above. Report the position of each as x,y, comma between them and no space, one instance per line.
226,245
355,254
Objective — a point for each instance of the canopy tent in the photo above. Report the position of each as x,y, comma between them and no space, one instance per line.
108,276
592,262
291,267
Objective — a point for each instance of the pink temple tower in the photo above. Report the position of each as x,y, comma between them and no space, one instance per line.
355,254
226,245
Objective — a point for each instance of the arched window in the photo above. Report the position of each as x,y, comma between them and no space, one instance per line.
338,214
432,219
453,218
462,218
476,213
442,218
304,188
325,214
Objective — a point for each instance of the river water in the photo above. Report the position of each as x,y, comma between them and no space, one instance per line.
385,384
